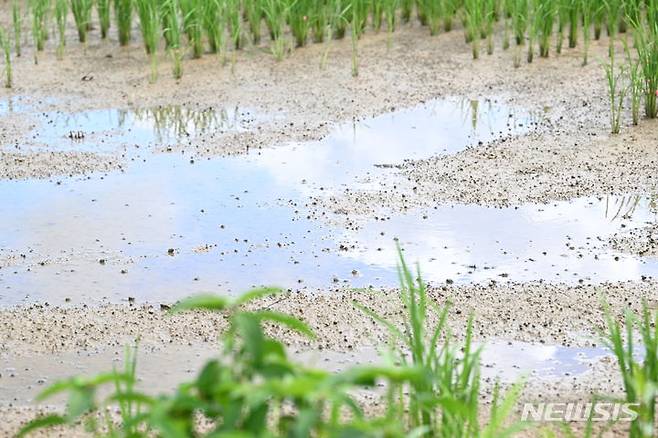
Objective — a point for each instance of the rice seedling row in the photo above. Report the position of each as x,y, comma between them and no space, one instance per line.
220,26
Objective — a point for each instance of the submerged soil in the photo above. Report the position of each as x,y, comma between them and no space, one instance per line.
570,154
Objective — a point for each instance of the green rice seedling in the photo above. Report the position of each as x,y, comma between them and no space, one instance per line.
451,372
275,17
433,18
214,25
616,94
563,7
377,11
298,12
61,13
598,17
490,14
545,17
449,9
254,13
149,23
172,33
192,12
355,35
588,9
421,11
39,9
81,10
17,22
103,9
177,59
6,50
187,12
360,10
632,11
234,20
613,12
337,15
507,8
406,8
574,15
123,12
640,377
533,29
169,21
520,20
341,20
473,13
506,32
390,12
651,13
635,85
646,44
320,11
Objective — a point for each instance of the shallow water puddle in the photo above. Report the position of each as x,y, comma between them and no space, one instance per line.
558,242
507,361
20,104
372,147
169,226
112,129
511,361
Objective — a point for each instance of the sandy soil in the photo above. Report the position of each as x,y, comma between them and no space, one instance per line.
642,241
532,312
570,154
42,343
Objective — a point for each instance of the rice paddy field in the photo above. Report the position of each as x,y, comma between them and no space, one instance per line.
443,214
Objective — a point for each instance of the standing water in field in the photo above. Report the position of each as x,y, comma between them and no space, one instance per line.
168,226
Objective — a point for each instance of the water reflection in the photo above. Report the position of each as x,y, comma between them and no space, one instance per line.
110,130
235,222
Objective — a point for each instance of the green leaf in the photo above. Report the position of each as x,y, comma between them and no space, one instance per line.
208,378
79,382
255,294
41,423
135,397
248,325
289,321
81,400
202,302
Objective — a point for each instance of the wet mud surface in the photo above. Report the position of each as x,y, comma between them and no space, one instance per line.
118,196
168,225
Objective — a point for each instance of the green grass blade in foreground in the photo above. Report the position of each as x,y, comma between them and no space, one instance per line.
201,302
43,422
640,377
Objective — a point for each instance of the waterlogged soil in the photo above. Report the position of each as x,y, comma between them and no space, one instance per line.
167,225
119,197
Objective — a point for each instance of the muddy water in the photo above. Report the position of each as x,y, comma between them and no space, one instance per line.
170,225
